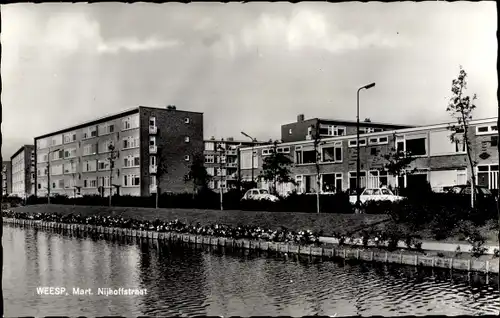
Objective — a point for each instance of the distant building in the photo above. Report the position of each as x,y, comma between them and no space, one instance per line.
23,171
6,178
221,161
301,129
145,138
439,161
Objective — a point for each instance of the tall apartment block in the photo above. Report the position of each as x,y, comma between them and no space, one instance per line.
438,160
302,128
221,161
23,171
6,178
79,160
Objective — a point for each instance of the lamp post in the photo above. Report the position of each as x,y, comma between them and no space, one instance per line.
48,173
358,162
221,152
253,144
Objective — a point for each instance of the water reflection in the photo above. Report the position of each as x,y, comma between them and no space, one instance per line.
200,280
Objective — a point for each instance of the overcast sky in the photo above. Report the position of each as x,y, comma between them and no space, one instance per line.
248,67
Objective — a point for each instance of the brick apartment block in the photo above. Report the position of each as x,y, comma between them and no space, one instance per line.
439,161
145,138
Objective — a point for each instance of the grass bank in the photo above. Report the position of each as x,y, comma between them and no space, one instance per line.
327,223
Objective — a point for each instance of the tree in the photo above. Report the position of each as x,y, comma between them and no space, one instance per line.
161,170
460,107
113,155
317,142
398,162
275,168
198,174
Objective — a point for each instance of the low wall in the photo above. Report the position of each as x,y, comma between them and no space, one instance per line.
344,253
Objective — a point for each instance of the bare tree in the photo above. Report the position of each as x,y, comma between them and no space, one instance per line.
460,107
113,155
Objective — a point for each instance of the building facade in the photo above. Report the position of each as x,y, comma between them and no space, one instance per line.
221,161
438,160
23,171
302,128
6,178
134,152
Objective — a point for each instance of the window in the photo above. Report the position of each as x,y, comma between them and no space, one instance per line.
89,132
267,152
209,159
377,140
221,172
89,166
70,153
373,151
130,122
209,146
353,142
70,167
400,143
290,131
56,170
42,158
130,142
186,139
152,180
69,137
103,165
487,176
417,146
352,179
58,155
41,144
221,145
104,146
152,121
330,130
377,178
89,149
56,140
494,141
186,120
131,180
152,140
283,150
105,129
331,183
305,155
152,161
441,143
186,157
210,171
332,153
486,129
131,161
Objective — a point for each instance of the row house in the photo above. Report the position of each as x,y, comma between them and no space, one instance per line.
302,129
221,161
23,171
152,148
438,160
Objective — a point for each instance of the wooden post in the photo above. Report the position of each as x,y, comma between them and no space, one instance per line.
468,265
416,259
357,254
433,262
487,267
386,257
451,263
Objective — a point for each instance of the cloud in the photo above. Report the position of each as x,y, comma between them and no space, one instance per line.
134,45
305,29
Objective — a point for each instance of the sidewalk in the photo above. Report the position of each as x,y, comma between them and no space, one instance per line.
426,245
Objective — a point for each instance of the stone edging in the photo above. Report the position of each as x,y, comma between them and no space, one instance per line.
470,265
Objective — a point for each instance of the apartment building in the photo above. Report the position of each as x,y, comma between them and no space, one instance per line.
302,128
23,171
6,178
438,160
152,147
221,161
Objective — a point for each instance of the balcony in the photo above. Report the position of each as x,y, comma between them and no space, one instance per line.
231,152
153,149
153,130
152,188
232,164
153,169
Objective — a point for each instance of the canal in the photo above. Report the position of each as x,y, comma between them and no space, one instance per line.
189,281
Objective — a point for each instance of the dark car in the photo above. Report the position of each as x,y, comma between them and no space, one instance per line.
481,191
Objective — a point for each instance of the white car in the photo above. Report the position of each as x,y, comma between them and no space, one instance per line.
378,194
259,194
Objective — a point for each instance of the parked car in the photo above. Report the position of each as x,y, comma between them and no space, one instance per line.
259,194
75,196
375,194
482,192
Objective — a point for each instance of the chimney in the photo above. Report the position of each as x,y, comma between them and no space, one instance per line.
300,118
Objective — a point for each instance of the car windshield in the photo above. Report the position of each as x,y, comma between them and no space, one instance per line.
368,192
386,192
264,192
485,191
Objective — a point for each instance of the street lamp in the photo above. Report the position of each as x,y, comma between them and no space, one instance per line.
358,162
48,173
253,144
221,153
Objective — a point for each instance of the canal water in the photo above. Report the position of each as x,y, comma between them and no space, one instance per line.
189,281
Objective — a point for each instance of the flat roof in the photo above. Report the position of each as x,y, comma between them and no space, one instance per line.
372,123
235,141
108,117
21,149
382,133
